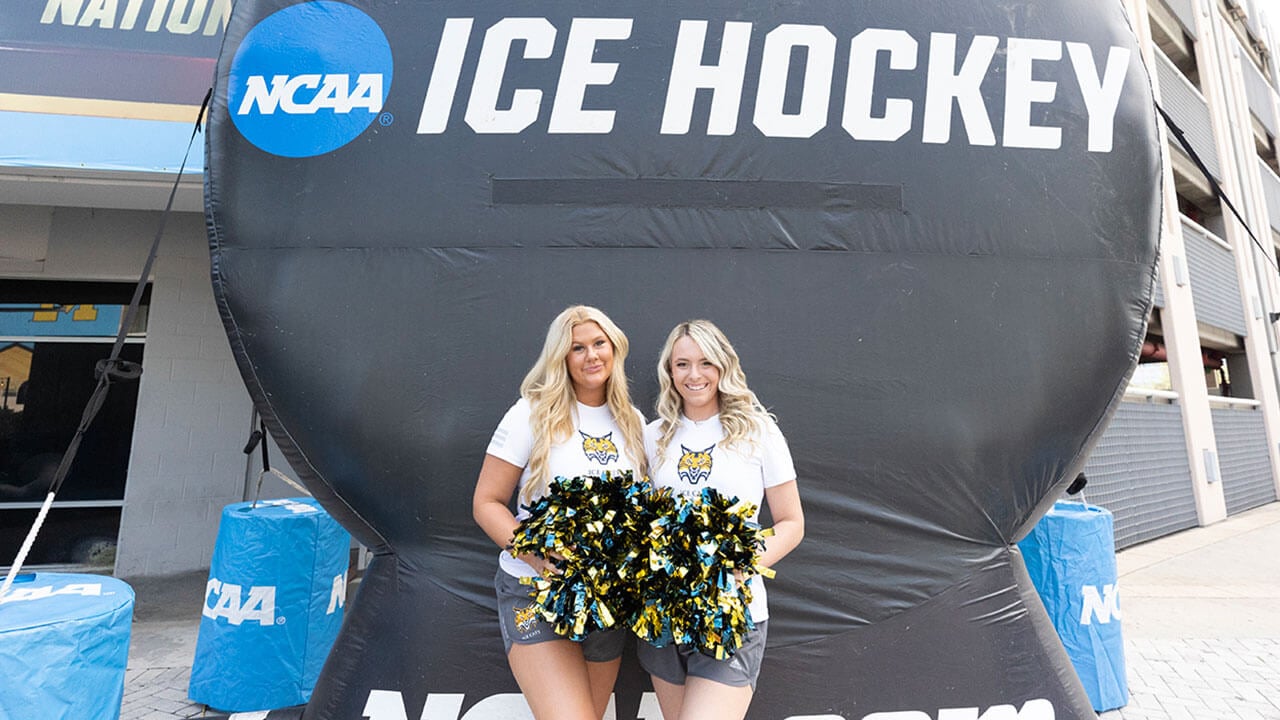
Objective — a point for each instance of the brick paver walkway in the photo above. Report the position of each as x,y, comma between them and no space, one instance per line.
1223,679
1220,583
1234,679
158,694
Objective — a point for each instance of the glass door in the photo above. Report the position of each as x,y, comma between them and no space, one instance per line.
52,334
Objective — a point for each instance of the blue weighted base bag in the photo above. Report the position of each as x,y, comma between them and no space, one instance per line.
64,644
1071,558
273,605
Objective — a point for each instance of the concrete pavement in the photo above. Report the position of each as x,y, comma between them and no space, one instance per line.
1201,625
166,622
1202,622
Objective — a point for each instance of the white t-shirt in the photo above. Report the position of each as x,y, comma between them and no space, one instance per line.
695,460
596,445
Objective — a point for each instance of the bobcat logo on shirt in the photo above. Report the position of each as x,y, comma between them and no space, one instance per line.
695,465
600,449
525,617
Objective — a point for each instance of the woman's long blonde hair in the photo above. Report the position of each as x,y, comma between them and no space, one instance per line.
549,390
741,414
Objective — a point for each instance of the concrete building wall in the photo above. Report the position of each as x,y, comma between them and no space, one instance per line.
1223,300
193,418
193,413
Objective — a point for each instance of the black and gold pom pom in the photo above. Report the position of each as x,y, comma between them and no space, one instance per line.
673,568
588,526
702,552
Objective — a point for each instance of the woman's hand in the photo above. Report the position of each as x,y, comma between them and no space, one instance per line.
544,566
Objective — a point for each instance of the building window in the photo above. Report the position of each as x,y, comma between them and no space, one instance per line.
52,334
1174,41
1152,372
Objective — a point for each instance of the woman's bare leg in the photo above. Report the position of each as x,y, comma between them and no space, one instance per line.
709,700
602,676
670,697
555,680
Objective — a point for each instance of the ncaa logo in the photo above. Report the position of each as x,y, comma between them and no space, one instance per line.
309,78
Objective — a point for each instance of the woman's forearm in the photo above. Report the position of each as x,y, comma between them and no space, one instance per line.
788,522
787,534
497,522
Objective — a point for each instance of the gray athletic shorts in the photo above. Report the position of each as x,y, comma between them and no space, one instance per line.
523,624
674,663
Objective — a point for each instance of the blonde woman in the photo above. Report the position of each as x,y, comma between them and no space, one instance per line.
711,431
574,417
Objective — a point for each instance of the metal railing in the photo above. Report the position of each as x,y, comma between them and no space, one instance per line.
1214,284
1167,397
1243,455
1271,190
1184,103
1258,92
1185,12
1139,470
1234,403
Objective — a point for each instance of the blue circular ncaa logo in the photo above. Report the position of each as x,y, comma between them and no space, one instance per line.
309,79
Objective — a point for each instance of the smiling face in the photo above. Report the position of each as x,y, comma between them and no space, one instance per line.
590,362
696,379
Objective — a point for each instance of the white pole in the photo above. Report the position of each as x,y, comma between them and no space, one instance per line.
26,545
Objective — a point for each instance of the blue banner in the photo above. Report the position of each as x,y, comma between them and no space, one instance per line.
91,85
108,59
47,320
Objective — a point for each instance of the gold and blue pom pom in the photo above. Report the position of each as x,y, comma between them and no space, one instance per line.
702,551
590,527
674,568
